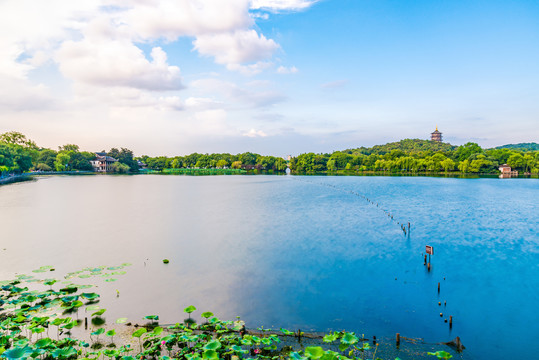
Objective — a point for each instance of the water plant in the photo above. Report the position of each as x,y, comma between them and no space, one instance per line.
26,316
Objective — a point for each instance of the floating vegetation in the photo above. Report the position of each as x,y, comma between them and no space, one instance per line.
121,320
26,316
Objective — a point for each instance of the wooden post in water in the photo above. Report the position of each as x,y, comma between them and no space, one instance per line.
438,288
425,262
459,344
450,321
398,339
85,323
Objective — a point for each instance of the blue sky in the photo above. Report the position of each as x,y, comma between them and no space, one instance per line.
269,76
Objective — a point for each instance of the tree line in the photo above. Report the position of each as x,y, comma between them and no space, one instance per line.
414,155
245,160
19,154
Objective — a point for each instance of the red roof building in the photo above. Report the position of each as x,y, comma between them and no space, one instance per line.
102,162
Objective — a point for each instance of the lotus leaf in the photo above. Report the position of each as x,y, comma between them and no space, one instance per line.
189,309
58,321
213,345
99,312
210,355
90,296
287,332
206,314
121,320
296,356
110,353
138,333
65,352
15,353
314,352
331,337
349,339
43,343
441,355
98,331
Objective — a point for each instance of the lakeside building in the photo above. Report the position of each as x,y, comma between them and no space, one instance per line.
507,171
102,162
436,135
141,165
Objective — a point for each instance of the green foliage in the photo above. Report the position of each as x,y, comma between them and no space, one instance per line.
521,146
413,155
119,168
216,339
441,355
62,160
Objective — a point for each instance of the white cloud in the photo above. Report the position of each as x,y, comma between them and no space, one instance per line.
174,18
255,133
198,103
88,96
285,70
20,94
236,96
116,62
280,5
250,69
242,46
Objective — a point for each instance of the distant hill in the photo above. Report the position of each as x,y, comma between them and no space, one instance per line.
521,146
406,145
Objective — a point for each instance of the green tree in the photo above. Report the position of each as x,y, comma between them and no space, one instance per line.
222,163
236,165
331,165
62,159
465,151
448,164
17,138
516,161
48,157
119,168
69,147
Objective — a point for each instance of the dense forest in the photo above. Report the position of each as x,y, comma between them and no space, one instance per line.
414,155
19,154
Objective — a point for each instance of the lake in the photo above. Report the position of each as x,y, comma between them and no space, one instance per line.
307,252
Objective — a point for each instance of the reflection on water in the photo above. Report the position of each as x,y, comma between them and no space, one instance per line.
295,252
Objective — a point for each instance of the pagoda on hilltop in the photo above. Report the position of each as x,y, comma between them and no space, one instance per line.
436,135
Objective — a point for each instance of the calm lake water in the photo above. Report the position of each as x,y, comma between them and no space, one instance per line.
304,252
